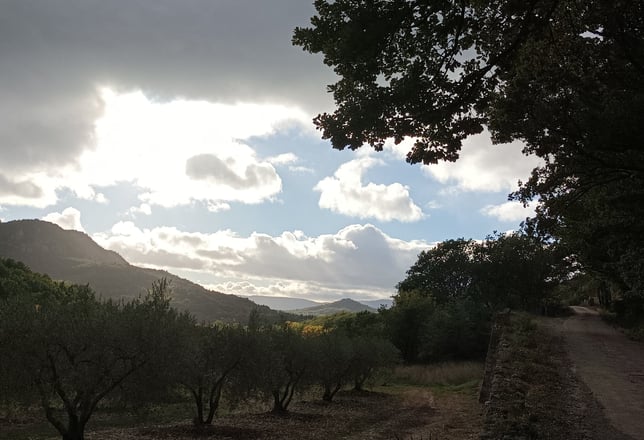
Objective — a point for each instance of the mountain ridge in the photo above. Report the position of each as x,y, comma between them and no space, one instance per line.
342,305
74,257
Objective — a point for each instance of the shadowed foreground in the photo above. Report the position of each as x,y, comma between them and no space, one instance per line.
398,413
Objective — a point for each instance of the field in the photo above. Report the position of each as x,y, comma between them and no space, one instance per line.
436,402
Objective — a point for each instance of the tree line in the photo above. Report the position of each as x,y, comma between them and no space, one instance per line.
70,352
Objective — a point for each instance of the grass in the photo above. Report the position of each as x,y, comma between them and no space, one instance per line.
451,375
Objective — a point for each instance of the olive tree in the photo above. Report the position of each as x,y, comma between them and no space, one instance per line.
331,357
71,351
209,358
279,362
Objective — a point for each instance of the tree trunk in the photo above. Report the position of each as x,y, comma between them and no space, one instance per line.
213,401
329,392
327,396
198,395
278,407
74,435
75,428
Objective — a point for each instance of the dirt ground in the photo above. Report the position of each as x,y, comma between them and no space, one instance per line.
390,413
610,365
411,415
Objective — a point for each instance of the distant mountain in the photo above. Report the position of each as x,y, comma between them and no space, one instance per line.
283,303
73,256
343,305
289,304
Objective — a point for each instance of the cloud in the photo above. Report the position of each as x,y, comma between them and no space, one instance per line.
58,54
22,189
345,193
328,265
485,167
175,153
33,189
510,211
223,51
283,159
143,208
194,150
70,218
217,171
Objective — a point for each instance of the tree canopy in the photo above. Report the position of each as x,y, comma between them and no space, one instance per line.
445,304
565,77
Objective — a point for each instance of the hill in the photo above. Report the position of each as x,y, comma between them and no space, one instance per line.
289,304
343,305
283,302
73,256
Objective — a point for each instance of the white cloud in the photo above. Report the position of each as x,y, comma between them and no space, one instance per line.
510,211
176,152
332,264
282,159
345,193
70,218
485,167
143,208
301,169
185,151
217,206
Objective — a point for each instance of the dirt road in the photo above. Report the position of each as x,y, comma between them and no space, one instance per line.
611,366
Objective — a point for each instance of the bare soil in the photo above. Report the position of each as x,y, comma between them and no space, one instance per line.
536,392
609,364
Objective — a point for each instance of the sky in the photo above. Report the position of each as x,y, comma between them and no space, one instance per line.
179,134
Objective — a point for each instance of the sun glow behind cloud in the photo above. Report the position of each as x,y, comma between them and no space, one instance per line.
175,152
183,151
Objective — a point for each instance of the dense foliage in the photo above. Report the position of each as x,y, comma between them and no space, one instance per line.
445,304
566,77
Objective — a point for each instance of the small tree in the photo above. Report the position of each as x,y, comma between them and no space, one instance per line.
279,361
331,356
208,361
406,321
370,355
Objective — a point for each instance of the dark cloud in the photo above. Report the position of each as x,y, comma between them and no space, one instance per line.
212,168
24,189
56,53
